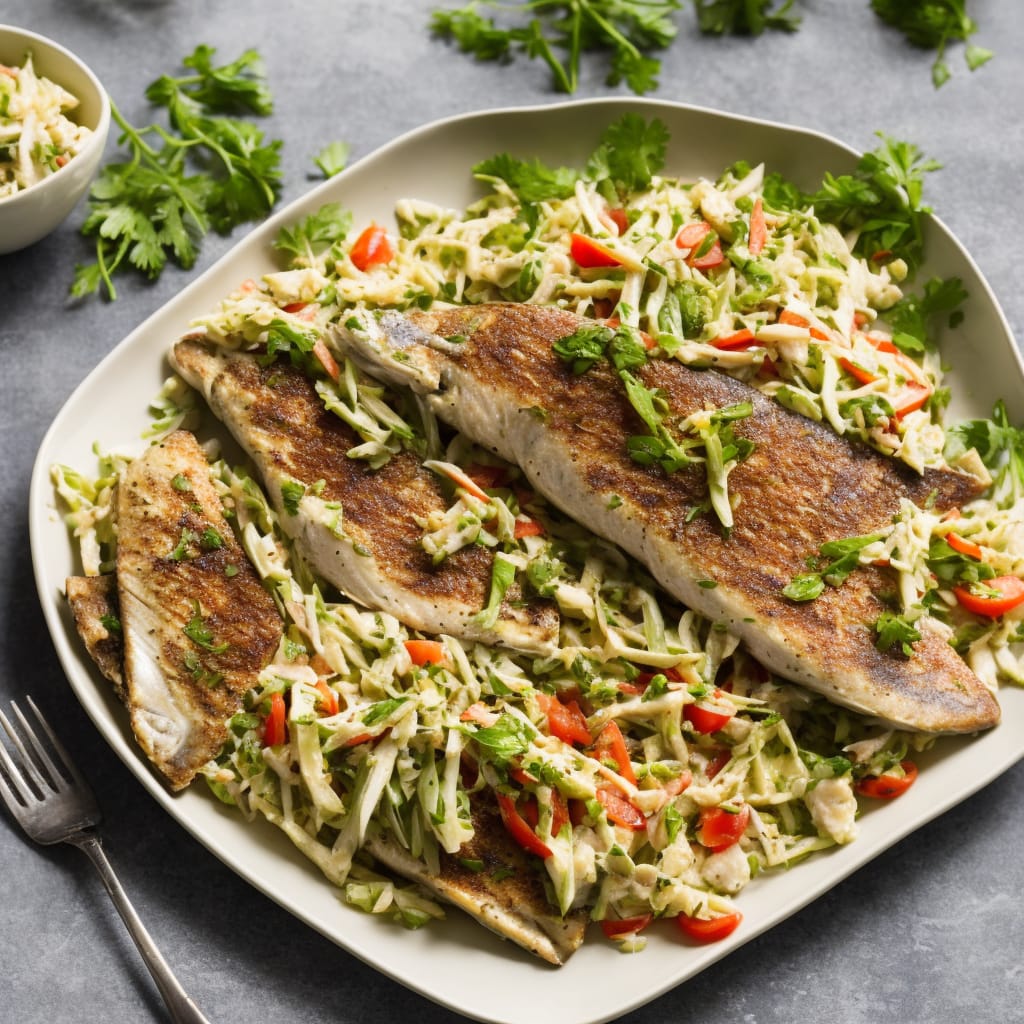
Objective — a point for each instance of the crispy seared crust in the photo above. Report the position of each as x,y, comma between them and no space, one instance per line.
93,599
506,895
180,693
802,486
277,416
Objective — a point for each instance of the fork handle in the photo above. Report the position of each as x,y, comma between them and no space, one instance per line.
180,1006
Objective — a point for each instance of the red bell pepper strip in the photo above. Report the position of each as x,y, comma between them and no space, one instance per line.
519,829
738,340
275,728
758,233
565,721
527,527
620,810
328,699
610,747
964,546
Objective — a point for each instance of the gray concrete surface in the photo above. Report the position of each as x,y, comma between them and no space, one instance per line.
929,932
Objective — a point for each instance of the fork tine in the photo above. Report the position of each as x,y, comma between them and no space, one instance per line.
66,767
24,777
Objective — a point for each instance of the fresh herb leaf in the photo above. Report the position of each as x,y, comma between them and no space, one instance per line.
333,158
882,200
507,738
322,230
560,32
932,25
503,574
199,633
744,17
205,171
910,317
631,152
531,180
896,631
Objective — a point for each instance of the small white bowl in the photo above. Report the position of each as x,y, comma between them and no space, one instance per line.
33,213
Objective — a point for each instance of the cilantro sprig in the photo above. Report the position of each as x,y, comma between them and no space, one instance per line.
206,170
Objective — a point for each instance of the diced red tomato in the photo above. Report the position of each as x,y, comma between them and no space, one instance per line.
519,829
565,721
679,784
692,236
718,829
620,810
527,526
1000,595
885,786
275,728
328,699
964,546
614,321
372,248
427,652
587,252
619,929
610,748
758,233
712,929
718,762
487,476
480,713
706,720
617,218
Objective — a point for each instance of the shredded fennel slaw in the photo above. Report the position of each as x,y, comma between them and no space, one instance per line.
37,137
697,769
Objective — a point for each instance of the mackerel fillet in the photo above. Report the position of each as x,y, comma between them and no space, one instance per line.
498,381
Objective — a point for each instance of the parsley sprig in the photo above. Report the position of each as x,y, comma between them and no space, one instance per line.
207,169
560,33
932,25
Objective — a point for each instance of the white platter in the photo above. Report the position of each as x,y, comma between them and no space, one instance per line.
455,962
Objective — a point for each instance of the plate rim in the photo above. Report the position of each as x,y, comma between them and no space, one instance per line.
41,509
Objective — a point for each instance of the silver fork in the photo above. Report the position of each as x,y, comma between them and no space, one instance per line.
53,804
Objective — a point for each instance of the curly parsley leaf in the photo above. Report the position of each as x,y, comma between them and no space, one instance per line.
206,170
932,25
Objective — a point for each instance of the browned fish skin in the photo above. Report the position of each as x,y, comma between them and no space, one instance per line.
180,692
802,486
93,599
277,416
507,895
